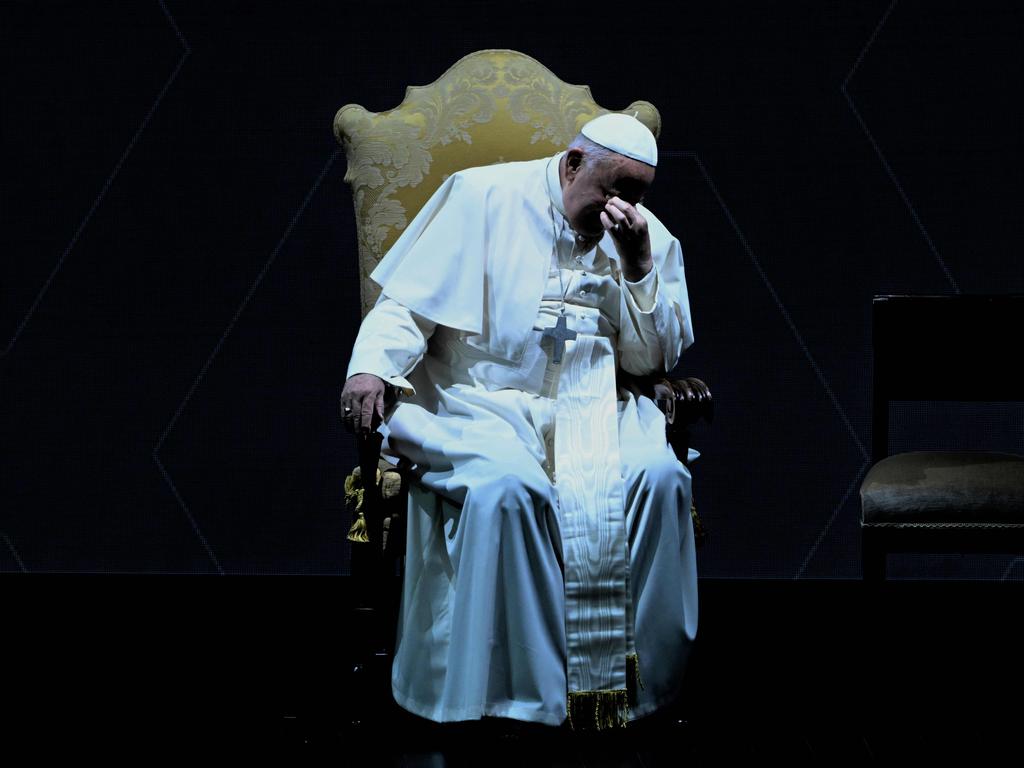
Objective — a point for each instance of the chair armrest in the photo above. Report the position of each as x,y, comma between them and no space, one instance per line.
684,401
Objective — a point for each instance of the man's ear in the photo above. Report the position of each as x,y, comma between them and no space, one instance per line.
573,161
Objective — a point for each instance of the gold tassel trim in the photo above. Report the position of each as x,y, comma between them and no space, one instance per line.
359,532
597,710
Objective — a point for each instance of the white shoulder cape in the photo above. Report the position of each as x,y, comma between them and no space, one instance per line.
476,257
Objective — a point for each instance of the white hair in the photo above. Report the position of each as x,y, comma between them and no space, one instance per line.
593,151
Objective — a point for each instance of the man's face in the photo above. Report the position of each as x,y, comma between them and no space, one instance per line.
588,185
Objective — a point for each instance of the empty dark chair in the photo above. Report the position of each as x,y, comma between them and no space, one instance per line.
943,348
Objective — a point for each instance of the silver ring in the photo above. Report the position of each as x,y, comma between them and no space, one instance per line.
615,226
347,409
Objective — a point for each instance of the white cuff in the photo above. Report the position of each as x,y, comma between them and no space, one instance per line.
643,294
397,381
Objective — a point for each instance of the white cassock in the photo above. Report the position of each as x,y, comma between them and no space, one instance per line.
550,555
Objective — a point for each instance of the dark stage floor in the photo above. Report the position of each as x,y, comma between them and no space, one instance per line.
263,665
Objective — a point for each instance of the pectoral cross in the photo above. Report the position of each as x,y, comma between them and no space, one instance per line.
559,333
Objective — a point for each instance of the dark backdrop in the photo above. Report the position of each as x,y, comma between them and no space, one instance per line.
178,264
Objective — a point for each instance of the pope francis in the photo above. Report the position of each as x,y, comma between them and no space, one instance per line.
550,571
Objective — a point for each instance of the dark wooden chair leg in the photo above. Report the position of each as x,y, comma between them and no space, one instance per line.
873,557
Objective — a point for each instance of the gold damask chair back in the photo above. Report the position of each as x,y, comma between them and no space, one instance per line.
491,106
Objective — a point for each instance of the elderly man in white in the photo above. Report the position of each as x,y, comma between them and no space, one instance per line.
550,569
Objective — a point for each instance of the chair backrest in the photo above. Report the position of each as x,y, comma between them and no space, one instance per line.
491,106
944,348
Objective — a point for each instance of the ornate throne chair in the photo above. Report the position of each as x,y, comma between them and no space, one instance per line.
491,106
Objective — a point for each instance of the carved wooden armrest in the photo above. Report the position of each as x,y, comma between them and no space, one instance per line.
684,401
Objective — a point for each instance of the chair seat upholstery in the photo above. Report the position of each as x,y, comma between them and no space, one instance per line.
945,489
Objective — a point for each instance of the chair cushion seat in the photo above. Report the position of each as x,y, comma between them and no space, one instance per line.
973,488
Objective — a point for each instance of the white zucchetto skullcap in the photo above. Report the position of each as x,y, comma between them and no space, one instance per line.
623,134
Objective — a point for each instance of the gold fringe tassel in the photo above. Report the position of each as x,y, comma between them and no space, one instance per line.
604,709
357,532
354,501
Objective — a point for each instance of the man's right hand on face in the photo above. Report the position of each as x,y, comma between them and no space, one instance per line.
362,403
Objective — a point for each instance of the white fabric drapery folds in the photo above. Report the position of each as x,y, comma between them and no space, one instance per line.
549,535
